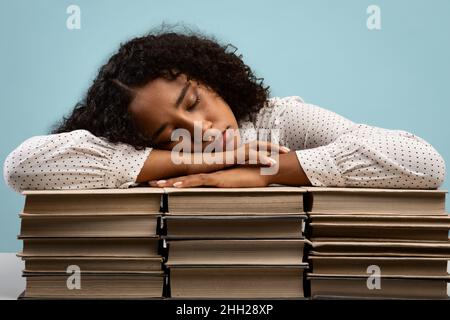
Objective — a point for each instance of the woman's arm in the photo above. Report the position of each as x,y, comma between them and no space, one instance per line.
80,160
160,165
331,151
336,152
288,172
72,160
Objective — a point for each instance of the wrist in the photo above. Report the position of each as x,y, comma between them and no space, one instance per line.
270,178
289,171
197,163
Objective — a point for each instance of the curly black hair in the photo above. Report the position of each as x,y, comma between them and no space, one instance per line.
104,111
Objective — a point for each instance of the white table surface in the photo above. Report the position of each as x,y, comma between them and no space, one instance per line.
11,282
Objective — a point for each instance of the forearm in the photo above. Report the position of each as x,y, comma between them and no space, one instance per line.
159,165
289,172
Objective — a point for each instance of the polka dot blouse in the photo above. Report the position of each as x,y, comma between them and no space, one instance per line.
332,150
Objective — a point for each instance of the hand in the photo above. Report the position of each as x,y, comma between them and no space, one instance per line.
255,153
238,177
163,161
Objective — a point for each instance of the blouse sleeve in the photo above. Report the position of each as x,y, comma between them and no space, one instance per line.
72,160
334,151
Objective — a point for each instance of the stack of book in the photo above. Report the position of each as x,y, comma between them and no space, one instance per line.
378,243
235,243
92,244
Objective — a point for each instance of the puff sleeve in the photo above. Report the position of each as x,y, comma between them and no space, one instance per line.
72,160
335,152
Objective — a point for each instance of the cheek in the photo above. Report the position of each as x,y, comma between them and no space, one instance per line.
220,112
145,124
168,146
228,114
215,107
165,147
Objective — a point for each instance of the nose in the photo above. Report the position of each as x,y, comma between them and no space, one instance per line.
193,124
206,125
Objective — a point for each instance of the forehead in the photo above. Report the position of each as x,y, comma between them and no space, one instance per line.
158,93
153,102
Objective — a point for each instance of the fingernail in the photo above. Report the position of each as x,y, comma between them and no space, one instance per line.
286,149
272,162
161,181
177,184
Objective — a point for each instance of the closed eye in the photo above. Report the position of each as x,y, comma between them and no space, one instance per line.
196,102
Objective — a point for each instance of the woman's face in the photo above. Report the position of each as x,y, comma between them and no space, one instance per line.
162,106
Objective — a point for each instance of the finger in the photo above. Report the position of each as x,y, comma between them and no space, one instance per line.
254,157
182,181
152,183
166,182
267,146
271,147
195,180
260,158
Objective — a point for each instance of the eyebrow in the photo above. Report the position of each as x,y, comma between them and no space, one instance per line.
177,105
182,94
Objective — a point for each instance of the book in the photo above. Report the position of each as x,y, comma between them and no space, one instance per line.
95,286
380,248
235,252
40,225
379,227
390,287
35,264
321,200
378,243
389,266
235,242
232,201
237,226
111,236
237,282
91,247
96,201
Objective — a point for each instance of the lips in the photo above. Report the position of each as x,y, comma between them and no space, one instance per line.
226,137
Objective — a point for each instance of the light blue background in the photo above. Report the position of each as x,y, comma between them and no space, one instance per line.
396,78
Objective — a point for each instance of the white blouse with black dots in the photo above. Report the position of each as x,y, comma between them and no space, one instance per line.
332,150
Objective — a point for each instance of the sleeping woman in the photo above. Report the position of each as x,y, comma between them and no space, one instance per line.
166,85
